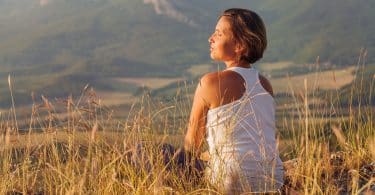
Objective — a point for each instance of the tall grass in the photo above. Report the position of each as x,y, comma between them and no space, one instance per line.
332,142
77,146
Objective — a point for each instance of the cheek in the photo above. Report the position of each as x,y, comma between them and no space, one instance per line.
223,50
228,50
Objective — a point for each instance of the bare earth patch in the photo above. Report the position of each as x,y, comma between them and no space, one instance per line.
269,67
150,82
333,79
200,69
110,98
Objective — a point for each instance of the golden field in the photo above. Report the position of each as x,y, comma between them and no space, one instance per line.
77,147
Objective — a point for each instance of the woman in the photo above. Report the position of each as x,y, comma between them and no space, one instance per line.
235,109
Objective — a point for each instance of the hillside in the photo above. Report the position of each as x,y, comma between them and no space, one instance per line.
56,47
334,30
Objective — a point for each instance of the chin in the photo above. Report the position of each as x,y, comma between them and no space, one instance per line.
213,56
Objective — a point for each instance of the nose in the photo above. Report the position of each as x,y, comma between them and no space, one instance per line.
210,39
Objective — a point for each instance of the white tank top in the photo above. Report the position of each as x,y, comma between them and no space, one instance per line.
241,140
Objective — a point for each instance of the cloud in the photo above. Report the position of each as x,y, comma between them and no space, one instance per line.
165,7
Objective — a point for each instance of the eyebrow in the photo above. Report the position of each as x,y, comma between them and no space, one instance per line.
222,31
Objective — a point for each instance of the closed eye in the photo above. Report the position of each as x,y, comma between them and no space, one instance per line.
218,33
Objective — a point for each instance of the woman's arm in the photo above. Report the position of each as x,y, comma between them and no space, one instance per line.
197,122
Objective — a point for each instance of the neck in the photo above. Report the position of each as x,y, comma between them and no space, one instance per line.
241,64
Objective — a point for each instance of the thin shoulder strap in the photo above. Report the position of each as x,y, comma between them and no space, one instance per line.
250,75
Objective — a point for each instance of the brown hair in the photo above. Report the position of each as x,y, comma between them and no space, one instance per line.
249,31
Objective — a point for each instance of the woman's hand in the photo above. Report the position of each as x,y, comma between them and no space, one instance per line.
205,156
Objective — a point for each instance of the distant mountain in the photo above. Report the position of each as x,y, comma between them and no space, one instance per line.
102,33
335,30
174,32
87,40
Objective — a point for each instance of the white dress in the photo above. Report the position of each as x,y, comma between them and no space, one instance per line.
241,140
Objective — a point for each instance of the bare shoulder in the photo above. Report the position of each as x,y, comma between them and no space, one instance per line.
221,79
208,84
222,87
207,89
266,84
222,76
210,78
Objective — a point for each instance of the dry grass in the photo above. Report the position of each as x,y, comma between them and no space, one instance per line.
89,152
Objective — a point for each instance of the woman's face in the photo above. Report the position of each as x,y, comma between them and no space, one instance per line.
222,44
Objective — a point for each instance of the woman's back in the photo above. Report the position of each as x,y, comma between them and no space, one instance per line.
241,138
238,119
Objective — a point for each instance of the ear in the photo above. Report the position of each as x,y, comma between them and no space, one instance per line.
239,49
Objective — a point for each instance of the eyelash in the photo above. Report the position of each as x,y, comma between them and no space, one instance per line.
218,34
